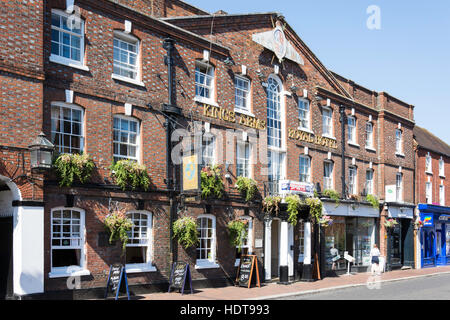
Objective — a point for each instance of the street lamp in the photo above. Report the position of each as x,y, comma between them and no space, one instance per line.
41,153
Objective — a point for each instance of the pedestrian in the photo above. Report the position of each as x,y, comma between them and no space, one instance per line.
375,255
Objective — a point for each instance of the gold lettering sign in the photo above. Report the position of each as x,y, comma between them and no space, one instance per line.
311,138
230,116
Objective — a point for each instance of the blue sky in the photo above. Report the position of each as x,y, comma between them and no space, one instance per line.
408,58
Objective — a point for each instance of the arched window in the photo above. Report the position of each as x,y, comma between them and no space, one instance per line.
206,249
139,246
274,121
67,242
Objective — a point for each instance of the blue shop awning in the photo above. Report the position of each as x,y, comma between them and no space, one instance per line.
431,208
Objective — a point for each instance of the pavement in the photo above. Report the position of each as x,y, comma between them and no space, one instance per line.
275,291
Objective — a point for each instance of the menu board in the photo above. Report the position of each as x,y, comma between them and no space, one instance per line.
247,264
180,274
117,277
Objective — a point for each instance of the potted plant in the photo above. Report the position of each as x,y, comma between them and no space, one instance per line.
185,230
130,174
237,230
271,205
212,182
73,166
390,223
373,200
118,226
247,187
333,195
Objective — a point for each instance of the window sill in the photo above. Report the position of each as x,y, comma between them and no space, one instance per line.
67,62
206,101
429,172
247,113
139,268
354,144
442,176
305,130
65,274
128,80
400,154
371,149
328,136
206,265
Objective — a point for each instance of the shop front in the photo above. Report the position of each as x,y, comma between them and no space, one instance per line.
434,235
353,231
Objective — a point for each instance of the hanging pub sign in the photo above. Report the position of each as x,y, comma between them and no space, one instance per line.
245,272
117,278
311,138
190,174
231,116
179,275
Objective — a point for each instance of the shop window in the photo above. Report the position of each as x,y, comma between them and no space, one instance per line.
328,167
335,245
327,122
242,94
243,151
304,114
247,242
125,56
138,248
206,249
204,82
305,169
126,138
67,128
67,39
67,240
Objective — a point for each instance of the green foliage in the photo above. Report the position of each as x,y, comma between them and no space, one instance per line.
212,182
271,205
332,194
294,204
247,187
315,211
71,166
237,230
185,230
373,201
130,174
118,226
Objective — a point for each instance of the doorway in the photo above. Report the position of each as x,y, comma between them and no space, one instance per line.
275,248
6,261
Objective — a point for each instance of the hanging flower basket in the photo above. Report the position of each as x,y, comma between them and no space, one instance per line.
73,166
185,230
118,226
247,188
325,221
130,174
211,182
271,205
390,223
237,233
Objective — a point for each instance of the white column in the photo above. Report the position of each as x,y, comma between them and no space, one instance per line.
307,242
268,248
28,250
284,243
291,251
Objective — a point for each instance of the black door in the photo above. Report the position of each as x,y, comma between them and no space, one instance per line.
6,261
395,247
407,242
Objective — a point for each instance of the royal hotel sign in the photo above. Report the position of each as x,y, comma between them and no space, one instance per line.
311,138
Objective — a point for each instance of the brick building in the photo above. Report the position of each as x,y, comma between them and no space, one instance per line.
432,197
96,79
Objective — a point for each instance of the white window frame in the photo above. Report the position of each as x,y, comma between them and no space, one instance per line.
246,162
351,135
442,195
369,135
138,139
142,267
275,114
242,109
328,182
208,263
429,192
399,187
442,167
61,105
428,163
369,183
79,64
249,244
132,40
304,168
304,114
74,270
210,74
276,169
399,142
206,148
327,122
353,183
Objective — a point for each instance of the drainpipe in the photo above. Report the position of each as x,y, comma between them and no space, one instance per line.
342,119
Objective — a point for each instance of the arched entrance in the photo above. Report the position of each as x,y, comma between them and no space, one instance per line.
8,193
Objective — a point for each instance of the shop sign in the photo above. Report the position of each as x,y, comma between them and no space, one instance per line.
311,138
288,186
428,220
231,116
444,218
